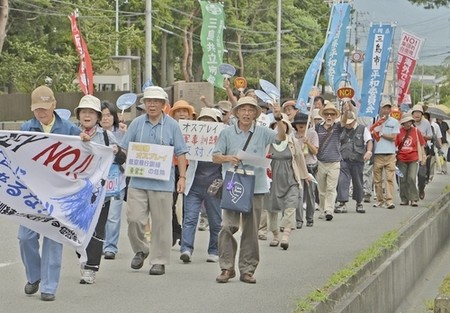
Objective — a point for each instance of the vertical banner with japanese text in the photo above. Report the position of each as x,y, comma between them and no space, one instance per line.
212,41
335,56
53,184
85,72
376,63
336,22
408,52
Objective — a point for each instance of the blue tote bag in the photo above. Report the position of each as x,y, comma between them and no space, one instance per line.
238,189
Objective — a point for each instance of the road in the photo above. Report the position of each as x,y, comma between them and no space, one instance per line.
282,277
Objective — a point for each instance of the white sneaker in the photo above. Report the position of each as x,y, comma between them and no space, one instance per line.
87,276
212,258
185,257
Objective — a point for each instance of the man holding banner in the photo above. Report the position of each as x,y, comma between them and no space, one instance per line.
45,269
151,141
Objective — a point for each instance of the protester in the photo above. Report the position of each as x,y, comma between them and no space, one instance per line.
409,143
44,268
427,132
151,196
445,130
309,145
89,113
329,156
181,110
199,176
319,102
288,170
110,121
384,131
435,147
289,109
315,117
230,141
356,148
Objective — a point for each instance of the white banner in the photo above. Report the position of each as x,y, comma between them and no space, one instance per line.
148,160
53,184
200,138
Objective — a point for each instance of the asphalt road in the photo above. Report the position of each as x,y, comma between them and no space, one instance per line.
282,276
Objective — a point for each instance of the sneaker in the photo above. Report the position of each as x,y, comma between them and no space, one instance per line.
47,297
366,198
212,258
340,208
360,208
390,206
203,224
321,216
378,205
138,261
225,276
109,255
185,257
87,276
32,288
328,216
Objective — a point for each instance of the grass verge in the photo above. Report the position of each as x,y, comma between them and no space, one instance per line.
387,242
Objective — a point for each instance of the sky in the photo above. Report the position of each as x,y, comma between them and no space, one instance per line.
432,25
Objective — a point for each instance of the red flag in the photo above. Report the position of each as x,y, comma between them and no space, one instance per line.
85,75
406,62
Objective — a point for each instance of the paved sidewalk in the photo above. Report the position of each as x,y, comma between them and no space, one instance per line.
282,277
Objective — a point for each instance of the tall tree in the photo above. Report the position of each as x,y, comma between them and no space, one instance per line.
431,4
3,21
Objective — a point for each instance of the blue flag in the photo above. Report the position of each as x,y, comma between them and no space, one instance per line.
375,67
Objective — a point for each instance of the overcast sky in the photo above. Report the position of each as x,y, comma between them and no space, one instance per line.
433,25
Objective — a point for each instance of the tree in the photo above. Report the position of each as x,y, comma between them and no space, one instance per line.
431,4
3,21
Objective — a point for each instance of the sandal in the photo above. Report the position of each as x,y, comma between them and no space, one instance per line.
274,243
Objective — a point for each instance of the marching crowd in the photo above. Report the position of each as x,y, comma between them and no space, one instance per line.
318,160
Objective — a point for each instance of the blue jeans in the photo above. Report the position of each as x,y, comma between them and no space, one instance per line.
192,204
112,228
46,268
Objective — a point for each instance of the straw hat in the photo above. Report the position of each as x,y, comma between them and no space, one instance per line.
247,100
407,117
329,107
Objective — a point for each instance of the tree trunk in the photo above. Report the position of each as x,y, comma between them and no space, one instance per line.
184,62
241,58
191,53
3,21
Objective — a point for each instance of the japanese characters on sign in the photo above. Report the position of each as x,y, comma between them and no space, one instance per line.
212,41
200,138
149,161
375,66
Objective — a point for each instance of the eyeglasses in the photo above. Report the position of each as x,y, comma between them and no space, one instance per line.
250,111
329,114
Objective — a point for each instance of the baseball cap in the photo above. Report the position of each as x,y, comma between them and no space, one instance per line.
42,98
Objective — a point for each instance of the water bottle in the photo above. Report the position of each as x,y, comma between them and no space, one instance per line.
398,172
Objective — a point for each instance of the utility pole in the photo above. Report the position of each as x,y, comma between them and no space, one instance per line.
278,65
148,40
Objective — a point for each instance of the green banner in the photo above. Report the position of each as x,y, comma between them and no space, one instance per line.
212,41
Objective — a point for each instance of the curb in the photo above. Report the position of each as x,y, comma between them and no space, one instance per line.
383,283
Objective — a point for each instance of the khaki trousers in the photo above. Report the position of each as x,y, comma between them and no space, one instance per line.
384,162
249,246
157,204
327,179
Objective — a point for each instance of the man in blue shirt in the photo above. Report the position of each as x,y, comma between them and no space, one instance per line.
384,157
151,196
43,270
231,141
